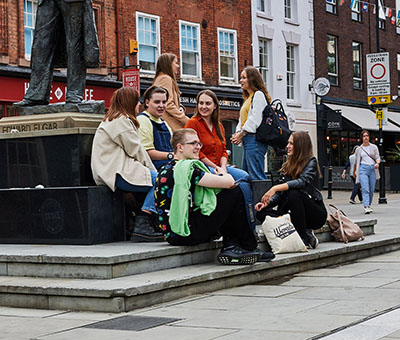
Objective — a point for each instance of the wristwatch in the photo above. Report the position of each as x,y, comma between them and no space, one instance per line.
243,133
170,156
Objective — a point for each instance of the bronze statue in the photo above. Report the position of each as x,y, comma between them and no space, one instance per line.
65,36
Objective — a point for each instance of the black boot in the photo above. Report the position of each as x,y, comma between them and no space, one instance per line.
145,231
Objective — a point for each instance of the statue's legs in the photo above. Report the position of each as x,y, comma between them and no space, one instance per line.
76,70
42,57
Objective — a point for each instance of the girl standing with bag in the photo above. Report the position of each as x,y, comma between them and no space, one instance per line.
298,193
366,169
251,113
167,68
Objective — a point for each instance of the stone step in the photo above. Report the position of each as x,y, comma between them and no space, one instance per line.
112,260
146,289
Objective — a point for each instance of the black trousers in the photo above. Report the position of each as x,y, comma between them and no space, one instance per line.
229,219
356,190
50,15
305,212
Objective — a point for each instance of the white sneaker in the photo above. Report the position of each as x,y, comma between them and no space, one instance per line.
370,210
367,210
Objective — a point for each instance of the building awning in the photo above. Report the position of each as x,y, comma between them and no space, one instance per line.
394,117
364,118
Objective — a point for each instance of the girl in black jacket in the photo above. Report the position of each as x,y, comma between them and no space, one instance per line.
298,193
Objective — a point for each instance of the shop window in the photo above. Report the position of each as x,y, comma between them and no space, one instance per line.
357,72
332,59
331,6
264,58
148,28
190,50
30,8
227,55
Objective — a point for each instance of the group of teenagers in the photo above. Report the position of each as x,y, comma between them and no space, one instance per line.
180,165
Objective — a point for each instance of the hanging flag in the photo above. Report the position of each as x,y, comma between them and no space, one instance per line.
341,2
398,14
393,20
330,1
380,11
353,4
374,11
388,11
365,7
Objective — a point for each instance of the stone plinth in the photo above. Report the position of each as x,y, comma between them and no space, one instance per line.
89,106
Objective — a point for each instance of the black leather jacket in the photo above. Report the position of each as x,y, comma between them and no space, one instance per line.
306,182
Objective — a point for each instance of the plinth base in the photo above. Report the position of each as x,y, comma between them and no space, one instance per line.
89,106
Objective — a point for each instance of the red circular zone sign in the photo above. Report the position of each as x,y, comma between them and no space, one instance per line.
378,71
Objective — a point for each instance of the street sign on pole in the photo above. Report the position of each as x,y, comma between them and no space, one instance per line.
131,78
378,78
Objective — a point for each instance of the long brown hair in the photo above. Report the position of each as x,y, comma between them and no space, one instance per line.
302,152
123,102
214,116
164,65
255,82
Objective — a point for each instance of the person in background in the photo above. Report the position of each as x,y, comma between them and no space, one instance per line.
167,68
251,113
195,206
120,161
206,122
366,169
155,134
356,186
298,193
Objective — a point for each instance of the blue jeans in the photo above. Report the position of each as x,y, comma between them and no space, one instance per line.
238,175
367,181
149,200
253,157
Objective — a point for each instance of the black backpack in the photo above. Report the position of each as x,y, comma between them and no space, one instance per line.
274,128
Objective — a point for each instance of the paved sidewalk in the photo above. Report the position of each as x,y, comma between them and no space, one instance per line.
355,301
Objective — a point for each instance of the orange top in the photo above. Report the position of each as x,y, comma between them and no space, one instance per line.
212,148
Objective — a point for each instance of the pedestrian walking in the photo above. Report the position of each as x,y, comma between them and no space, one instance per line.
366,169
356,186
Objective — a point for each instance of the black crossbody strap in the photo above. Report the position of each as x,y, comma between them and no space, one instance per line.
367,153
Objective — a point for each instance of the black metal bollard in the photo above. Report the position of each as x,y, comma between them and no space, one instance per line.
329,182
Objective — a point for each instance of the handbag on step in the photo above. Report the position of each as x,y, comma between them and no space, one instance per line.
343,228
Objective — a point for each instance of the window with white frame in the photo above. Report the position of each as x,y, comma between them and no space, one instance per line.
190,49
290,71
263,53
30,8
332,59
356,11
227,51
148,36
288,9
357,72
331,6
264,6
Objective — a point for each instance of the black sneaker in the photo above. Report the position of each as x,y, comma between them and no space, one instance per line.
265,256
237,255
312,241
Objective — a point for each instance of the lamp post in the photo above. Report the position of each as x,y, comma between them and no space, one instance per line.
382,199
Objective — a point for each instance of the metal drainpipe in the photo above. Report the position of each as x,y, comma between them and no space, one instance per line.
117,38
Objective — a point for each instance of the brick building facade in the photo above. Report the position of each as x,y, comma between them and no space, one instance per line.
343,37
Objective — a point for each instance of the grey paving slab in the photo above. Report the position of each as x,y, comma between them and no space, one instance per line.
340,271
29,312
266,335
360,308
347,293
394,335
158,333
245,304
382,273
259,291
20,328
338,282
89,316
372,329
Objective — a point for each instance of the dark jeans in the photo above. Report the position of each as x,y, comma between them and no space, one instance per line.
356,190
305,212
228,219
